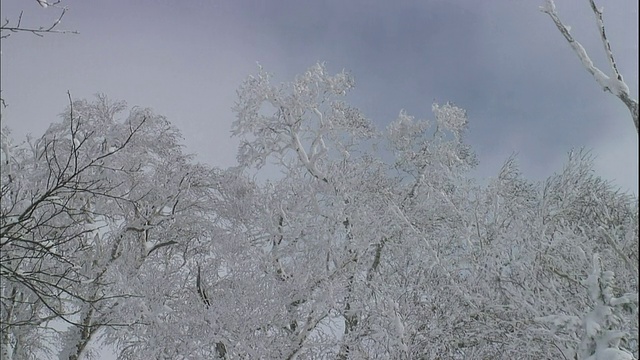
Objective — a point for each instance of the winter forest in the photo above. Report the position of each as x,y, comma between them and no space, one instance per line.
332,238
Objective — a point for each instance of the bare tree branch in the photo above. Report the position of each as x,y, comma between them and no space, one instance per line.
40,31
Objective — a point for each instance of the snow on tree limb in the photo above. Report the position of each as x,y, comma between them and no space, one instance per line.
607,47
613,84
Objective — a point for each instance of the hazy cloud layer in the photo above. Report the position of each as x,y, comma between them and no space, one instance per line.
503,61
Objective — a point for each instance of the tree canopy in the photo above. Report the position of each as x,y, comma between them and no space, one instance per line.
371,243
331,238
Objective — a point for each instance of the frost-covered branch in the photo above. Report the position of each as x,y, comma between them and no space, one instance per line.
613,84
607,47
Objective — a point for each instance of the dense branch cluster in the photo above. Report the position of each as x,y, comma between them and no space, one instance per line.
370,244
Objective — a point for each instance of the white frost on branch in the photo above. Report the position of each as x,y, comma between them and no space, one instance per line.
613,84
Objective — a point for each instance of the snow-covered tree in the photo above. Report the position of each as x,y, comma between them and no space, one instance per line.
331,239
47,224
84,209
542,238
421,261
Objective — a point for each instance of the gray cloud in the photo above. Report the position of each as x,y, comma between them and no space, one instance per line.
503,61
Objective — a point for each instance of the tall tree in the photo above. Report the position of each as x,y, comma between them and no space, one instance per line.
83,209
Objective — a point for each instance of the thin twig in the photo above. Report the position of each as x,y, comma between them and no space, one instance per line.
39,31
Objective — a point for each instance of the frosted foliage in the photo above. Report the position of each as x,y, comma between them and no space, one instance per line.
598,328
420,148
278,119
368,244
405,130
451,117
91,199
601,337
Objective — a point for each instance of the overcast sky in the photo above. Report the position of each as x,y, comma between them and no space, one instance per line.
502,60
